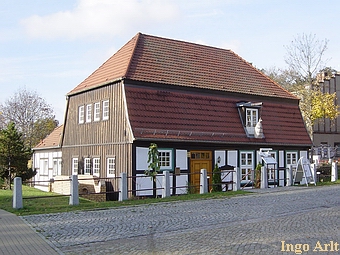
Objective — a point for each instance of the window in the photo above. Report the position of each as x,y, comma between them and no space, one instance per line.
89,113
271,168
165,159
74,165
251,120
111,167
291,158
81,114
56,167
250,115
96,166
44,167
247,164
106,110
96,112
87,166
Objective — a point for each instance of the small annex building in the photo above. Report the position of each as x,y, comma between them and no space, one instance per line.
201,105
47,159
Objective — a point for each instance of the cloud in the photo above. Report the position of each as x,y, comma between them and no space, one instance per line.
96,19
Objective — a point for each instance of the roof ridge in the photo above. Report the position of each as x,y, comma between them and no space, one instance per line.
138,35
187,42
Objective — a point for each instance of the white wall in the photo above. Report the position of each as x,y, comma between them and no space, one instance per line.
39,157
145,182
232,158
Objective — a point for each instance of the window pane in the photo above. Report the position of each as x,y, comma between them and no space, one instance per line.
96,166
88,113
164,157
87,166
81,114
75,166
111,168
96,111
106,110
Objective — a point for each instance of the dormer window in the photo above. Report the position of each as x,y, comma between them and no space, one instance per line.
250,118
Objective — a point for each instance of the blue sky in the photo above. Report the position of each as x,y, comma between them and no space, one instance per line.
50,46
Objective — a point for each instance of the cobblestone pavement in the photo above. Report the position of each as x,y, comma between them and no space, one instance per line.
252,224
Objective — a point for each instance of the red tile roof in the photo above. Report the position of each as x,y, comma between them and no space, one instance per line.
192,116
160,60
186,116
53,140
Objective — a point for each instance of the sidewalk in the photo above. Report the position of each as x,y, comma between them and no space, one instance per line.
16,237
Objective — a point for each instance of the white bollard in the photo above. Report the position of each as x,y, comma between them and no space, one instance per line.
166,184
236,178
334,172
17,193
289,172
264,178
123,190
203,182
74,197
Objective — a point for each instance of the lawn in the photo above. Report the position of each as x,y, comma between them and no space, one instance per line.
50,203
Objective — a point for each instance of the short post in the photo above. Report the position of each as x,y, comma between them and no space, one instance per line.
74,197
236,178
123,191
203,182
334,172
166,184
264,178
313,170
17,193
289,171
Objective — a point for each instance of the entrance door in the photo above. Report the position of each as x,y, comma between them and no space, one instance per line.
199,160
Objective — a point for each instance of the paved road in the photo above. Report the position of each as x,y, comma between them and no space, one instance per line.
253,224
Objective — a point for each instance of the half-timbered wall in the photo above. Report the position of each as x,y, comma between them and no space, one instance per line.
232,157
47,163
143,184
98,138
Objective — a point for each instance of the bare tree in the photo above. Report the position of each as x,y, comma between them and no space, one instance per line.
304,56
28,110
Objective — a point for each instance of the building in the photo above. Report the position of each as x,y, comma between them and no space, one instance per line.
326,132
201,105
47,159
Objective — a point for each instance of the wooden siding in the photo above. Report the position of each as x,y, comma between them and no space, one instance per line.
326,130
103,138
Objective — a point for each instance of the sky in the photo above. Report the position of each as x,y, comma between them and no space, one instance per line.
50,46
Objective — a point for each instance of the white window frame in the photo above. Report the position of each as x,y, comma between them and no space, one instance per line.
75,165
290,155
89,113
106,109
165,159
96,166
247,165
44,167
56,166
96,112
81,114
111,166
87,166
252,117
